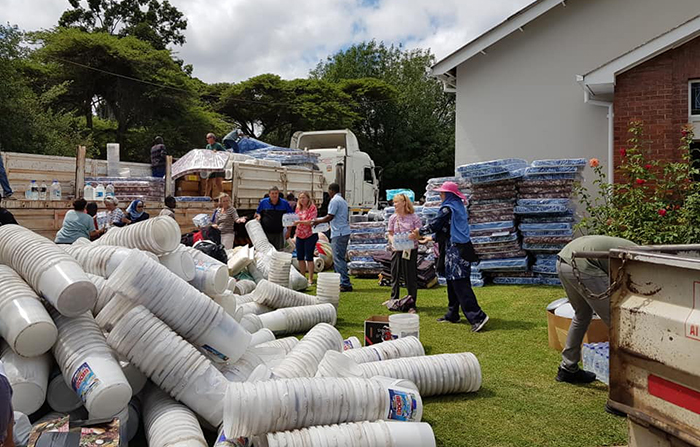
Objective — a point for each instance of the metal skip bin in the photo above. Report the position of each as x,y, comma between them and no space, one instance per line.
655,344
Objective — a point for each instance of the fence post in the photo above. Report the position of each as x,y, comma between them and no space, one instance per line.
80,172
168,175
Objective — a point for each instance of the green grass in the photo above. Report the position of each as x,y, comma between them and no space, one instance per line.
519,403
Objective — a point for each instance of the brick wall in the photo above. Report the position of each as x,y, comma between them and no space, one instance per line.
656,93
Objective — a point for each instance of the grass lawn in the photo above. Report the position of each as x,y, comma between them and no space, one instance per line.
519,403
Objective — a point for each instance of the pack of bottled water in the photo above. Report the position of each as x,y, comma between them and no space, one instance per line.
290,219
596,359
402,242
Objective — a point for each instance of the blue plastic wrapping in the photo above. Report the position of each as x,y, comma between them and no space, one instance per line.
494,226
554,233
510,264
540,170
569,218
390,193
469,167
494,239
544,268
536,202
542,209
361,259
579,162
516,280
546,226
540,176
518,173
543,248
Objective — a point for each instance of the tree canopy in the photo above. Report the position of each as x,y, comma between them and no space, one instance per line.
411,137
158,23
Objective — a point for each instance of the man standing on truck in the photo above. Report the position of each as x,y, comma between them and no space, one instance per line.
269,213
340,233
216,179
158,154
593,278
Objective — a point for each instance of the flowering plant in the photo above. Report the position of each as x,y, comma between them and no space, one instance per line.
653,201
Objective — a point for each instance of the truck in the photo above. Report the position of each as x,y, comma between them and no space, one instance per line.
341,161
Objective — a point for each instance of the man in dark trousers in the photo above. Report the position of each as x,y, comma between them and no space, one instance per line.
6,216
158,154
269,213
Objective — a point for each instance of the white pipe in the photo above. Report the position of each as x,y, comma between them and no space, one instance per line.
611,130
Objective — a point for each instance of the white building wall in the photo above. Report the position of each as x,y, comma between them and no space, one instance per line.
521,98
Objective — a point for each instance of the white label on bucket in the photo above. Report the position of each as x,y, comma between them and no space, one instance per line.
83,381
202,266
238,442
347,344
402,405
215,353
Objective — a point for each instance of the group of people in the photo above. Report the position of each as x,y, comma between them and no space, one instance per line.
81,221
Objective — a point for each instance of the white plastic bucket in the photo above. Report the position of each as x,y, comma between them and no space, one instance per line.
169,423
158,235
262,336
24,322
180,262
404,325
277,296
351,343
390,349
305,357
210,275
60,396
28,377
335,364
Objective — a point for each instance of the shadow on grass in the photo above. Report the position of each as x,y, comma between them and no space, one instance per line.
500,324
483,393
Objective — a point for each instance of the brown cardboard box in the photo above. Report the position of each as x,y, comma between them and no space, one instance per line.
558,329
377,329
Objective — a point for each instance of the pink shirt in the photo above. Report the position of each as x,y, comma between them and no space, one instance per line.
404,224
310,213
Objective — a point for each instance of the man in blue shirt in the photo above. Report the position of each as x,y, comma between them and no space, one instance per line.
269,213
340,234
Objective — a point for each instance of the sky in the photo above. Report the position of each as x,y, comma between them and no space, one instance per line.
233,40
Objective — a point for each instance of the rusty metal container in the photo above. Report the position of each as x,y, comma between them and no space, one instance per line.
655,344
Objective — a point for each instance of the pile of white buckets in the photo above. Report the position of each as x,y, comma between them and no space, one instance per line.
137,327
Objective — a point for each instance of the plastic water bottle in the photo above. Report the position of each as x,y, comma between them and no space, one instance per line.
55,191
100,192
109,190
321,228
35,190
28,192
42,191
88,192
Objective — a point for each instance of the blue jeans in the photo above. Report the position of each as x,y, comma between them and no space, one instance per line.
339,245
4,183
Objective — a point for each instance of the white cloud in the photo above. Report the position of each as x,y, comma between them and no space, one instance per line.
232,40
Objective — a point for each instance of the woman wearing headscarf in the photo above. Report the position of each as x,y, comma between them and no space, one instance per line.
451,231
135,212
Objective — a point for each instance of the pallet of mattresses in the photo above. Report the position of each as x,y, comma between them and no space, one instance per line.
127,189
546,212
367,239
494,232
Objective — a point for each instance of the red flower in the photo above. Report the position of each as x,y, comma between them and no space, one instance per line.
641,181
623,152
684,132
662,212
647,166
677,207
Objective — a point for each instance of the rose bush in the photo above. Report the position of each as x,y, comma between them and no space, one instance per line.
652,202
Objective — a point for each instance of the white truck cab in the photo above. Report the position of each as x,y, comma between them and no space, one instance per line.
341,161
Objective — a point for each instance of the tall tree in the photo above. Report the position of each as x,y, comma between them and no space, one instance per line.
158,23
126,80
412,137
28,121
271,108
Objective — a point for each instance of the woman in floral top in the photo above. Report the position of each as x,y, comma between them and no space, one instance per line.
404,262
305,237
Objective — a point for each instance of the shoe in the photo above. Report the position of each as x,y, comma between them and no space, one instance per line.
580,376
346,288
413,310
7,196
447,320
614,411
476,327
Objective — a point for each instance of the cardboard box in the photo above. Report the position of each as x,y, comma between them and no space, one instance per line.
558,329
377,329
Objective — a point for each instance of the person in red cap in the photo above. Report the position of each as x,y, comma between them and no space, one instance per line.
451,231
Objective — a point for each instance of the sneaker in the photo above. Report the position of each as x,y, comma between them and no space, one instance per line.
476,327
7,196
346,288
580,376
413,310
447,320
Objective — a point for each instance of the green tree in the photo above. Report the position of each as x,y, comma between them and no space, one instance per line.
158,23
412,135
272,109
28,121
143,91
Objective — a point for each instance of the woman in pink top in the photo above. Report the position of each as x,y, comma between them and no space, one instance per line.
305,237
405,262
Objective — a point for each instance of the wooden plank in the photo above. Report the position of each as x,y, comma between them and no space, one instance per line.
168,175
80,171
